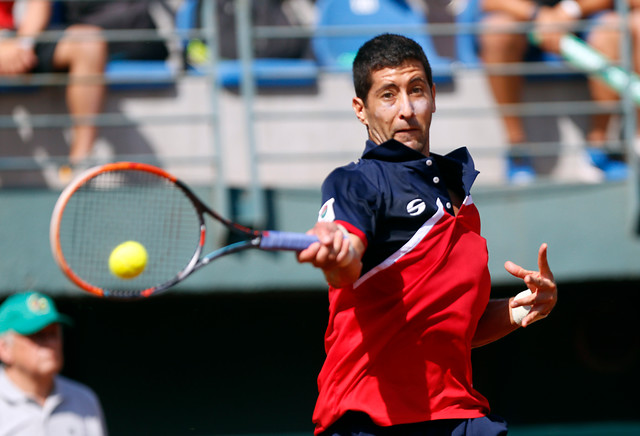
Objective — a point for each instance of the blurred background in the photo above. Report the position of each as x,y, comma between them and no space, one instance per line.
250,103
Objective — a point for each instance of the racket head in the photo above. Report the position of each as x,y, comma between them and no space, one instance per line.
126,201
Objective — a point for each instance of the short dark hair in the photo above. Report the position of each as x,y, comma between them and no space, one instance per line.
385,51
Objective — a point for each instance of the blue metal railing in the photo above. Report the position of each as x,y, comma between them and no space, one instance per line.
248,76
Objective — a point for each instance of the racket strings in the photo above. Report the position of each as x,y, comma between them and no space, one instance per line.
118,206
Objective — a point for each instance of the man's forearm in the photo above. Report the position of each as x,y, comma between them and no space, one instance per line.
36,18
496,322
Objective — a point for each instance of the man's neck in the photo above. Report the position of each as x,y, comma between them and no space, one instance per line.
36,387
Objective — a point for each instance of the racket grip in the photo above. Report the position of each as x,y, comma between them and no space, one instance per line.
275,240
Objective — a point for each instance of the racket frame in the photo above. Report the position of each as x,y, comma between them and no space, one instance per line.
196,261
273,240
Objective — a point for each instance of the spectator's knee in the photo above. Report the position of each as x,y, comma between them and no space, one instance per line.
506,46
634,22
89,47
605,38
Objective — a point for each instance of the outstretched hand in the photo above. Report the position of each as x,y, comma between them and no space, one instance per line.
544,292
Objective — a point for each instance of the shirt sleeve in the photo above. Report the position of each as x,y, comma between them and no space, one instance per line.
351,200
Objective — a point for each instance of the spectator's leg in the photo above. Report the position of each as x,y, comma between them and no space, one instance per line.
606,40
501,48
84,53
505,48
635,52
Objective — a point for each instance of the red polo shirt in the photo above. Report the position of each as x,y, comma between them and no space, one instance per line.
398,341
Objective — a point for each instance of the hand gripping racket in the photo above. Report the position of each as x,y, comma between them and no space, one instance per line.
127,201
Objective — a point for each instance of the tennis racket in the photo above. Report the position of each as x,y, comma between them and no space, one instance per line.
127,201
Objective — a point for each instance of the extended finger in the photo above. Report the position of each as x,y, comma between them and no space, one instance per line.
516,270
543,263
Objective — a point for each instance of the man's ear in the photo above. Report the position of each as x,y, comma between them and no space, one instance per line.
5,349
433,96
359,109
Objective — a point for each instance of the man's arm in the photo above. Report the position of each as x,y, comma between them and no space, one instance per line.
497,320
36,18
338,253
526,10
16,54
554,22
521,10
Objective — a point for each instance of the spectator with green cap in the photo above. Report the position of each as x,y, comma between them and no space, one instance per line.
34,397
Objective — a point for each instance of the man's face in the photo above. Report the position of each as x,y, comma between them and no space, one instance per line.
37,355
399,106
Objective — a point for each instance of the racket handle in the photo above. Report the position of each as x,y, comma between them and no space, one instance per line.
275,240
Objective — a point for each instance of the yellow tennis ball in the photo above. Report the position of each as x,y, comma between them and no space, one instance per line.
128,260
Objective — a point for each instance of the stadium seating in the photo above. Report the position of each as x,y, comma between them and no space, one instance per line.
271,72
119,74
344,25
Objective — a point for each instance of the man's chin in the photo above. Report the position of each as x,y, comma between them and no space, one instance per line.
412,143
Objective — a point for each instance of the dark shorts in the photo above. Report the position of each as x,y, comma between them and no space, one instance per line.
44,53
359,424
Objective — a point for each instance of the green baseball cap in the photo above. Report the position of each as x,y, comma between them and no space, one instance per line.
27,313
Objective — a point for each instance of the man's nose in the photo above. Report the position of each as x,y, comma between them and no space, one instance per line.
406,106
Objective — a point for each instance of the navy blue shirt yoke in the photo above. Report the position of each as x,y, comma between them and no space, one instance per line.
391,191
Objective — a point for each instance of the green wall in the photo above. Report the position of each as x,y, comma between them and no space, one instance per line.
589,228
216,363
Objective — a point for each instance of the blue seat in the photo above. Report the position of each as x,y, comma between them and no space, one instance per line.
139,74
268,72
466,39
364,19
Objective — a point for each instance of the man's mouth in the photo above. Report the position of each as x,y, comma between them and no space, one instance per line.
407,130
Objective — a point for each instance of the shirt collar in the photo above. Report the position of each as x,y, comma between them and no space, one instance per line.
10,392
391,151
459,160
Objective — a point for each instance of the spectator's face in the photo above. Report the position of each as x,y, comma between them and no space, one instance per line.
36,355
399,106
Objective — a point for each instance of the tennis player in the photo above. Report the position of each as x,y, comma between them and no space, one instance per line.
34,399
409,284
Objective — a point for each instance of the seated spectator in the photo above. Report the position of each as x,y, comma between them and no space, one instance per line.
263,13
606,39
81,51
499,48
34,398
119,15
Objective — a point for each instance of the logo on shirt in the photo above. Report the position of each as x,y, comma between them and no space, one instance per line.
416,207
326,213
